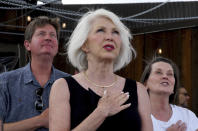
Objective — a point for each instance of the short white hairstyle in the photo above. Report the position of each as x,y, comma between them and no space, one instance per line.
78,57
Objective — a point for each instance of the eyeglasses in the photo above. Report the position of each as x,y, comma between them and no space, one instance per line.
39,101
185,94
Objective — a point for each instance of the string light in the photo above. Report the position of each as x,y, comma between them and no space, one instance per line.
63,25
28,18
159,51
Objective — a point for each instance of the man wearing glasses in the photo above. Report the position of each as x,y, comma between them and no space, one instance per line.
24,93
182,97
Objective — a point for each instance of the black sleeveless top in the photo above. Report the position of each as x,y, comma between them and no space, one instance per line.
83,102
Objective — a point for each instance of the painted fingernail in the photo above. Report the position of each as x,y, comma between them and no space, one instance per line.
127,93
105,91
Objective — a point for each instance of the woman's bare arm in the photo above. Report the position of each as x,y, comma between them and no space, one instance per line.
144,107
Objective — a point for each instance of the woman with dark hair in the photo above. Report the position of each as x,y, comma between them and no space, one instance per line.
161,77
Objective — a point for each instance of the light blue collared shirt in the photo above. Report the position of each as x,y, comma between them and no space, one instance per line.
18,94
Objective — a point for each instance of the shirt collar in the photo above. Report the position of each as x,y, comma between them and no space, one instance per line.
52,76
29,77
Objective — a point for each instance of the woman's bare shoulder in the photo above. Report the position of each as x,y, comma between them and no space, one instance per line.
60,86
140,87
60,81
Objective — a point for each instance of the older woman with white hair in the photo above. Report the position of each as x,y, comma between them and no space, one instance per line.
97,98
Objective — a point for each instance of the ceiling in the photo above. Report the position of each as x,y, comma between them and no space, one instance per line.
141,18
145,17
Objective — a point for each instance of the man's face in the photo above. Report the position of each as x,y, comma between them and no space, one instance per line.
44,42
183,97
